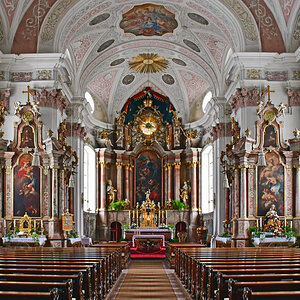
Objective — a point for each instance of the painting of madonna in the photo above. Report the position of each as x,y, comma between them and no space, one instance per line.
26,187
271,185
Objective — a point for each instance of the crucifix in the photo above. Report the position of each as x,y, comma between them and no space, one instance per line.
28,92
269,91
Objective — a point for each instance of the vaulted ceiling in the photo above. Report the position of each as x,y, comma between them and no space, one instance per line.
194,36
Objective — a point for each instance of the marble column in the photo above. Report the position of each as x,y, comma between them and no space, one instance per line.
170,177
102,185
251,191
165,183
297,198
127,182
177,166
131,183
288,191
243,197
119,180
194,185
236,193
226,204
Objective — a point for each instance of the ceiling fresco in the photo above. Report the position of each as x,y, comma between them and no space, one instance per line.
193,36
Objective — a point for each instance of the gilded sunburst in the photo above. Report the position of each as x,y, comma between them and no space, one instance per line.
148,63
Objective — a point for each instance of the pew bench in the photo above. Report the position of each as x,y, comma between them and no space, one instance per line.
278,295
13,295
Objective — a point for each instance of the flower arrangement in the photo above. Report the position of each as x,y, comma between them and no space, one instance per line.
133,226
73,234
226,234
9,235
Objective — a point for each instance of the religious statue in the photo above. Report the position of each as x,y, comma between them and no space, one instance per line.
185,193
272,221
111,192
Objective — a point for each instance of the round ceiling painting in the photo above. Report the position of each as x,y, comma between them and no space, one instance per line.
148,20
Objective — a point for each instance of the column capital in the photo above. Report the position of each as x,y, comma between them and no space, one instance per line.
119,164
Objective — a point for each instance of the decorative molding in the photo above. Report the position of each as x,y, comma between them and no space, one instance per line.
245,18
296,74
1,30
278,76
76,131
21,76
294,97
53,18
44,74
2,74
286,7
296,33
245,97
220,130
254,74
53,98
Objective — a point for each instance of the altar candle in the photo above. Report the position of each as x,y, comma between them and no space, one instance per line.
41,223
260,223
158,217
14,223
291,224
129,217
133,216
284,222
166,215
34,224
257,223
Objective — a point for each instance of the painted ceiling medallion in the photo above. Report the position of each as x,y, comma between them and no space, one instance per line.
168,79
99,19
197,18
191,45
128,79
179,62
148,20
117,62
105,45
148,63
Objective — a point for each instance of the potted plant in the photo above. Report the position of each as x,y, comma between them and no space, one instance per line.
117,205
177,204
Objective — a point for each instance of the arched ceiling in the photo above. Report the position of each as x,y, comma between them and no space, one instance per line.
194,36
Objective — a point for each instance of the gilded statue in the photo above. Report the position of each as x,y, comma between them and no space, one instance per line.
272,221
185,193
111,192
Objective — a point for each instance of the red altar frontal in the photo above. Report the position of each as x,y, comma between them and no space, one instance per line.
148,242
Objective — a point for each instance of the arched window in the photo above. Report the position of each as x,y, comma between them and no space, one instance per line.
205,101
207,180
89,179
90,100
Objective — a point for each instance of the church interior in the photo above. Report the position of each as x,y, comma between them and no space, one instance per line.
149,149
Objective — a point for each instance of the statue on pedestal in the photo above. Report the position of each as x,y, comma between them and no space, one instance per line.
272,221
111,192
185,193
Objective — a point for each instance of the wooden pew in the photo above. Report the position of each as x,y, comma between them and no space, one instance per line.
65,289
236,289
278,295
14,295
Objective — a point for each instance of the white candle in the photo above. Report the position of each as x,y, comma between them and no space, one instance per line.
41,223
257,223
166,216
284,222
34,224
158,217
14,223
129,217
260,223
291,224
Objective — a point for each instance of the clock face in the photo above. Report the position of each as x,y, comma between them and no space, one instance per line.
148,125
28,116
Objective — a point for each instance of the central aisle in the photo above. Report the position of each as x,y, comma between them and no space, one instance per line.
147,279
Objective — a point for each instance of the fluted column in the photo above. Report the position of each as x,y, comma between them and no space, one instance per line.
177,166
102,185
165,183
119,180
131,184
194,185
288,191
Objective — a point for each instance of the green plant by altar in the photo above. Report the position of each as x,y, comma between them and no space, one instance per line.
117,205
177,204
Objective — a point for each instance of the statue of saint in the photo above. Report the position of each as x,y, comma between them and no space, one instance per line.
185,193
111,192
272,221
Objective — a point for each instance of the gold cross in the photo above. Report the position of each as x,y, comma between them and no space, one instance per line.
269,91
28,92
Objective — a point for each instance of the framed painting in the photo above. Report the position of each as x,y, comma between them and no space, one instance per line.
270,137
27,183
148,176
270,185
27,137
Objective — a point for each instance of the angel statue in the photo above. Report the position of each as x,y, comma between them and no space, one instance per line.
111,192
185,193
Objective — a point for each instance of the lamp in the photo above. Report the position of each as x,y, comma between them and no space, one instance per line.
71,181
36,158
261,161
